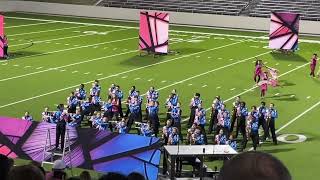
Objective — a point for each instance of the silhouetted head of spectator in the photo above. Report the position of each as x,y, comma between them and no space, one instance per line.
135,176
5,166
254,166
25,172
85,175
38,165
113,176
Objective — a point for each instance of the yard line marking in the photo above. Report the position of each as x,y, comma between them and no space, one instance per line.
39,67
4,64
300,115
74,72
218,87
71,22
174,31
124,77
80,47
308,97
209,57
68,37
67,44
137,79
277,94
219,58
58,43
189,84
24,25
16,65
27,66
150,80
289,65
294,119
277,64
100,74
232,89
163,81
86,73
244,92
52,30
124,72
62,70
292,95
204,85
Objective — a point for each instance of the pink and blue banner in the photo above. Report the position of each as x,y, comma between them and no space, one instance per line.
284,31
1,35
154,32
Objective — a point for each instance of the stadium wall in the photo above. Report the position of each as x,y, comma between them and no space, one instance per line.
209,20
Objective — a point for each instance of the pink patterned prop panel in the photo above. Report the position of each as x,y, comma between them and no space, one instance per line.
284,31
1,35
154,32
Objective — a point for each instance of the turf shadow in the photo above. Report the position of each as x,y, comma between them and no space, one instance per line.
286,83
146,59
21,54
284,97
290,57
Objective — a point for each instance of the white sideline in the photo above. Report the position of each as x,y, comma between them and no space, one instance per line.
68,37
248,90
24,25
114,75
177,31
52,30
68,65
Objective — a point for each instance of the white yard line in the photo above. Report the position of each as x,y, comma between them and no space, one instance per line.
294,119
24,25
52,30
174,31
121,73
251,89
62,38
297,117
95,59
79,47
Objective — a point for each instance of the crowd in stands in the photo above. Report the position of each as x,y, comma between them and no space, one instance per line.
109,114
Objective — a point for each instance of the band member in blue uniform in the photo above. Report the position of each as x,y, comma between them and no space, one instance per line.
195,101
72,102
216,106
235,106
272,115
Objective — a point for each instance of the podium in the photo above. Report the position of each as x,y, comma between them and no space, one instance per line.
196,151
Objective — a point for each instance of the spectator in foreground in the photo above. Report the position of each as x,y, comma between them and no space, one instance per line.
5,165
85,175
25,172
135,176
254,166
113,176
58,171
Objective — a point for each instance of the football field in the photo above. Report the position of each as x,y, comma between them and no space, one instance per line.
52,55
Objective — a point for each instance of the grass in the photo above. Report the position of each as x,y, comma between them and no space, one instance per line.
63,55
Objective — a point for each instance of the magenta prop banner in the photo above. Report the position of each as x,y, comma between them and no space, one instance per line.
284,31
1,35
154,32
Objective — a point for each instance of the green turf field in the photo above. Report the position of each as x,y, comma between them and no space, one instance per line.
52,55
